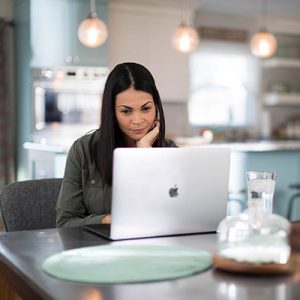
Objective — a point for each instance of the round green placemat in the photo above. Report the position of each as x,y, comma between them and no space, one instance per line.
127,263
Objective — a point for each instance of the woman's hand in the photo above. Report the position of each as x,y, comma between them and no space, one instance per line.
106,219
148,139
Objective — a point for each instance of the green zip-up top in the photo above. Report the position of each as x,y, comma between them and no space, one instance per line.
82,199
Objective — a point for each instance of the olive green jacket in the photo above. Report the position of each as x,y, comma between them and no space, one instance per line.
83,199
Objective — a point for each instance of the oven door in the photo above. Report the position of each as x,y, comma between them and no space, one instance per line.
65,108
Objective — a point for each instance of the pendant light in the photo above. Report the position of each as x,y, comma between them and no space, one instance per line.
185,38
263,44
92,32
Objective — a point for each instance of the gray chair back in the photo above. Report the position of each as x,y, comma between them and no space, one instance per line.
28,205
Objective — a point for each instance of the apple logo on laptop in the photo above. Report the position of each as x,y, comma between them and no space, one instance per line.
173,191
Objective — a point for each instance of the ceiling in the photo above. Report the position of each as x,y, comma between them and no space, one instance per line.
249,7
239,7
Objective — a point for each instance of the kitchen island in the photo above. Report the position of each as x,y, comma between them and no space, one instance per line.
280,156
244,146
284,159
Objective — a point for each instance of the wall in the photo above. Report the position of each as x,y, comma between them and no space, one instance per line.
267,119
142,33
6,12
6,9
275,23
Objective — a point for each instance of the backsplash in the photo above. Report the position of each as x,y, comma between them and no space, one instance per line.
277,122
177,124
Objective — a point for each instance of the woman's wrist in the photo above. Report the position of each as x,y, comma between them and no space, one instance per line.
141,144
106,219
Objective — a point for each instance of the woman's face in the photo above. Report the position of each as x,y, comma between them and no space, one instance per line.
135,113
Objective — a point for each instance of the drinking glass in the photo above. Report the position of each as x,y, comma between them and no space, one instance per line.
261,186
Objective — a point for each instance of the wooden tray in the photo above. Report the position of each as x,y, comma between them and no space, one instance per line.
249,268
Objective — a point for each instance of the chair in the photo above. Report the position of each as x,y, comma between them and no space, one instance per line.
28,205
292,200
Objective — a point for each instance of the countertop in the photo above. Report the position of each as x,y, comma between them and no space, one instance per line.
264,146
247,146
59,149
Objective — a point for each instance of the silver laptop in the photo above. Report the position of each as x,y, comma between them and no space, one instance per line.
167,191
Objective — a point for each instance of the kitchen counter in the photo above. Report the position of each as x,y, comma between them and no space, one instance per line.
248,146
46,160
262,146
45,147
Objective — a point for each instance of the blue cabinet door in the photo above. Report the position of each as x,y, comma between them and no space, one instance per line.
81,54
53,33
285,163
49,32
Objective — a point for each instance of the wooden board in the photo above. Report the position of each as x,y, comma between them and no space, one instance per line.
250,268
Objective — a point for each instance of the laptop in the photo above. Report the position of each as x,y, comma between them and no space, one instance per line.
167,191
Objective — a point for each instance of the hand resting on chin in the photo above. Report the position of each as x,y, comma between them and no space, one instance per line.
147,140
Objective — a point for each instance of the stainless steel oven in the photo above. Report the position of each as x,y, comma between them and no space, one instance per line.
66,102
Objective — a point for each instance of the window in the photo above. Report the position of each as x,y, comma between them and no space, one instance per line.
223,77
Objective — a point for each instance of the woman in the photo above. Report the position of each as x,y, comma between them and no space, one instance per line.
131,116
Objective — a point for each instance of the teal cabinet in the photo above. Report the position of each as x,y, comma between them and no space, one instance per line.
45,35
53,31
285,163
89,56
22,90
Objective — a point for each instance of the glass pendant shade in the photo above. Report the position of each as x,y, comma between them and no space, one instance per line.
185,39
263,44
92,32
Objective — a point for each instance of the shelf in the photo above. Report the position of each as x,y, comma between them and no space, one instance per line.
282,63
272,99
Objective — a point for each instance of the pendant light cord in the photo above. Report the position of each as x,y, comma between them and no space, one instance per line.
188,10
264,5
93,13
92,6
185,12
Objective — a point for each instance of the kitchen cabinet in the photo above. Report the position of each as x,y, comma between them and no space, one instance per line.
280,90
53,32
281,99
49,161
281,86
45,161
285,163
45,33
282,63
282,71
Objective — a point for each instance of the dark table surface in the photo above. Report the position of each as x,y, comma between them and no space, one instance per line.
22,253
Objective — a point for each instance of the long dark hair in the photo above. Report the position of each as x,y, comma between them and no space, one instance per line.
121,78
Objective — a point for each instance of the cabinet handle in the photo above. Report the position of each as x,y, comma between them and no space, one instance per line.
75,59
68,59
236,192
